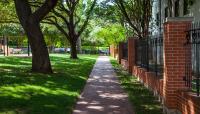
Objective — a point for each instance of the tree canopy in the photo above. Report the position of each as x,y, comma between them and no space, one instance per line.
96,23
137,15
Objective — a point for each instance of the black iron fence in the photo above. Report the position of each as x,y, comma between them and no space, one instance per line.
193,43
11,45
125,50
149,53
1,46
3,43
142,53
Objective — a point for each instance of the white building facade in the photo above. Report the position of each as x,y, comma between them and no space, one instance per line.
173,8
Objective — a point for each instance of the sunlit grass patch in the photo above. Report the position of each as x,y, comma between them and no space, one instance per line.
23,92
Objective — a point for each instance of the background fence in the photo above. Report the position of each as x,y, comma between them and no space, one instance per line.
193,43
125,50
14,45
149,53
2,47
142,53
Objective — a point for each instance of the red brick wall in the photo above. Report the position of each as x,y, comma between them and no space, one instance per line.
124,64
131,54
116,52
135,71
113,51
187,102
152,81
155,83
172,87
141,74
174,60
1,46
160,92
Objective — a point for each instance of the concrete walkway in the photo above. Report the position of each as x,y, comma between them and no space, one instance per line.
102,93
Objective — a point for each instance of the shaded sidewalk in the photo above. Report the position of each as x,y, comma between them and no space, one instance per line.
102,93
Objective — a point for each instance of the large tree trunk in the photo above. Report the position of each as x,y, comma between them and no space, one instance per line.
30,21
73,50
40,57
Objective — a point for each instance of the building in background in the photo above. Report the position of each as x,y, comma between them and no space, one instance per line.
173,8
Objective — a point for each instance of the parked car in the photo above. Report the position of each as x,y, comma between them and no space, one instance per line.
68,50
103,52
59,50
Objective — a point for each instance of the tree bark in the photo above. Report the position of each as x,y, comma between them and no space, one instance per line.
30,22
73,50
74,24
40,56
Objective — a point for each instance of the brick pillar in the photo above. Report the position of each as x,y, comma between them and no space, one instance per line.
174,60
131,54
120,47
1,46
116,51
112,50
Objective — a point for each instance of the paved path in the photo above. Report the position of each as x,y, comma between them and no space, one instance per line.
102,93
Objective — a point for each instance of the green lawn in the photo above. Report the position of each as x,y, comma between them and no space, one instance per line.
22,92
141,98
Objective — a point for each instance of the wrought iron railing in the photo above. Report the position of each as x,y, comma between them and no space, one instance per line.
2,45
193,60
149,53
125,50
142,53
156,54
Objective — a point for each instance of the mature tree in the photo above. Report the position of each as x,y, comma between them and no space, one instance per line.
111,34
10,29
30,19
103,33
107,11
53,37
105,27
71,19
8,12
137,14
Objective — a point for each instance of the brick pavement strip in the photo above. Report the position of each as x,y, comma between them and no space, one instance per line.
102,93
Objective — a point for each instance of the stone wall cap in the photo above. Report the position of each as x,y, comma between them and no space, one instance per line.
179,19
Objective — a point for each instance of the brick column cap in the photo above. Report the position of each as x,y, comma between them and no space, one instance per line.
179,19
